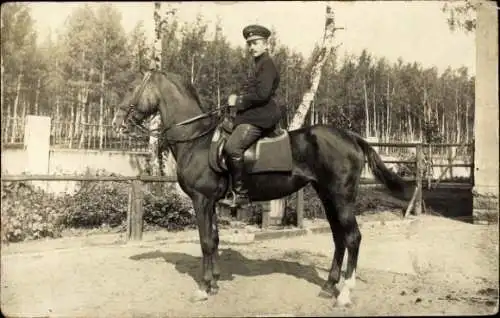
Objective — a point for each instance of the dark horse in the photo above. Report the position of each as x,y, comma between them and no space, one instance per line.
330,159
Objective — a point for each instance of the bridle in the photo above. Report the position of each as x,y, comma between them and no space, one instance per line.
161,132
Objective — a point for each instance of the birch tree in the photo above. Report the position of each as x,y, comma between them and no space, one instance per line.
160,24
301,112
326,48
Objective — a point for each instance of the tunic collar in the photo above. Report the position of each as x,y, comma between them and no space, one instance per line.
261,57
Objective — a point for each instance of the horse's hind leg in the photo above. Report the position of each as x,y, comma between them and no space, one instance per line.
352,241
329,288
339,210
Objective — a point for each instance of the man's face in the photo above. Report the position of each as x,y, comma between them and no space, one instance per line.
257,47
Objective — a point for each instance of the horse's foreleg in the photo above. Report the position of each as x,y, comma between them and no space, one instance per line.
214,287
204,208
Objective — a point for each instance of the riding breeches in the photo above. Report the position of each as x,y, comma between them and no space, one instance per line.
243,136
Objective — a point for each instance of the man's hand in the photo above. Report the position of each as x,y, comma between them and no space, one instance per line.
231,100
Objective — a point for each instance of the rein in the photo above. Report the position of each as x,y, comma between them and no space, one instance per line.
159,132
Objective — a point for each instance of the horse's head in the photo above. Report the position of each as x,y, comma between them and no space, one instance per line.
139,103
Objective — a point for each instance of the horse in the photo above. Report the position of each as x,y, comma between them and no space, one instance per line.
330,159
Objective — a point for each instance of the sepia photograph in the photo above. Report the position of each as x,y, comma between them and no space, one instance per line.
249,158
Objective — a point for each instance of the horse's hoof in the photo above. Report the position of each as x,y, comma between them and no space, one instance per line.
343,302
326,293
199,295
213,291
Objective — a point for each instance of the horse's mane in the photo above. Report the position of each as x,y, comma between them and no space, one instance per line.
185,87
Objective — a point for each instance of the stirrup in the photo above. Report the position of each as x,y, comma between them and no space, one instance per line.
237,200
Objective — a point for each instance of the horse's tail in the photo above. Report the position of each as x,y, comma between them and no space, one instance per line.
391,180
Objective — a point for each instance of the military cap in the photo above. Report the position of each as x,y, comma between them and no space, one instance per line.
254,31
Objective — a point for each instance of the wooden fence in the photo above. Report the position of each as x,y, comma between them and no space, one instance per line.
70,135
135,206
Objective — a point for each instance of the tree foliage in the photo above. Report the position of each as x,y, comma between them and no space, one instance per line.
461,15
89,62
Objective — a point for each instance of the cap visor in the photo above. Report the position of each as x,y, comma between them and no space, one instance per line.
254,37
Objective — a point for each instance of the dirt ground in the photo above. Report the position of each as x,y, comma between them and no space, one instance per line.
429,266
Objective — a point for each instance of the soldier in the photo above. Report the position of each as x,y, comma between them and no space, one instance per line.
256,110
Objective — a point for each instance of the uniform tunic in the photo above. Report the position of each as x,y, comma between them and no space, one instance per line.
256,106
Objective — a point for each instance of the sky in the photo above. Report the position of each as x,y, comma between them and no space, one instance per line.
416,31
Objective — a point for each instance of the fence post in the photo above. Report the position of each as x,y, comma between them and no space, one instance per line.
135,211
265,218
300,209
367,174
419,163
452,154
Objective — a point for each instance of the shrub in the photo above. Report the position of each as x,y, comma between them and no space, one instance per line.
28,213
254,212
106,204
170,211
98,204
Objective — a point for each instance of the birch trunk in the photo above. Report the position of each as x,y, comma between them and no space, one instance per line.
218,88
375,124
443,127
387,111
301,112
23,112
158,36
192,69
101,101
72,125
37,96
87,129
2,79
326,48
155,123
83,109
16,104
410,126
457,117
58,118
467,128
367,114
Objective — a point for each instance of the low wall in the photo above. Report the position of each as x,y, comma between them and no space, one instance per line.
80,162
14,161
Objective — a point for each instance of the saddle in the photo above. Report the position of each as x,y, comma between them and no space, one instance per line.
271,153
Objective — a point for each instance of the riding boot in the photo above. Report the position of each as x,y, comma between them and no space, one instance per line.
239,175
240,193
